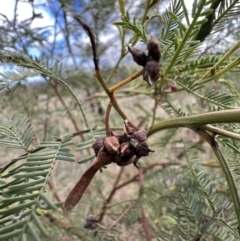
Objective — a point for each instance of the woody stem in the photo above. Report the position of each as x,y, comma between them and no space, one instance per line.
125,81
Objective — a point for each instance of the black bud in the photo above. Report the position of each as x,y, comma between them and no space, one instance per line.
154,50
138,55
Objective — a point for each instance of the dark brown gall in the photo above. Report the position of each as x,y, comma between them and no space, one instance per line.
112,145
129,129
143,149
151,71
138,55
140,135
97,145
154,50
122,136
126,152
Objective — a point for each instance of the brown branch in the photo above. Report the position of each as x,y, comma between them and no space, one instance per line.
54,86
144,218
98,72
51,186
145,169
112,192
91,36
107,119
121,216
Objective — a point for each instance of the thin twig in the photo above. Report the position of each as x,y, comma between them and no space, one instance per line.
144,218
219,131
98,72
91,36
54,86
109,107
45,124
155,107
51,186
145,169
112,192
125,81
121,216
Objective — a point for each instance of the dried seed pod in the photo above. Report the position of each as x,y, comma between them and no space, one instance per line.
97,145
112,145
143,149
154,50
138,56
151,71
140,135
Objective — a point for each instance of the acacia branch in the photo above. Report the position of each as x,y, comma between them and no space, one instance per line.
225,168
223,116
98,72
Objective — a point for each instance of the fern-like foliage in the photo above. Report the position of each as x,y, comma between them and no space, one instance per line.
138,30
191,207
22,186
43,67
16,133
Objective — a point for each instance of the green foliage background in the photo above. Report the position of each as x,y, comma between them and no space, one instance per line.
52,108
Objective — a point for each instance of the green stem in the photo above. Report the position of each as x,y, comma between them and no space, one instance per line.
219,131
154,108
185,10
222,71
224,116
225,56
186,36
146,11
226,170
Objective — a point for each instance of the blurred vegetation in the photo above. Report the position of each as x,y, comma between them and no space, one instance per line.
53,106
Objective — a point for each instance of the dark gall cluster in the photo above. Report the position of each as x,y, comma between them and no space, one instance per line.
150,62
122,148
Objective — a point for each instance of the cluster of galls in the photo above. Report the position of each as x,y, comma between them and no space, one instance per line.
150,62
122,148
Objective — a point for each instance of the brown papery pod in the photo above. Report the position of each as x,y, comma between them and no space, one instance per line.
103,158
154,50
138,55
